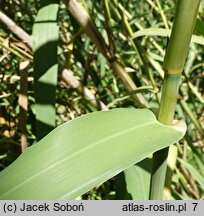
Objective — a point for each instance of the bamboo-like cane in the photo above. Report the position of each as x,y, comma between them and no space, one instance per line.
177,50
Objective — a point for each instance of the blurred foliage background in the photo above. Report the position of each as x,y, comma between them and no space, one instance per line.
79,55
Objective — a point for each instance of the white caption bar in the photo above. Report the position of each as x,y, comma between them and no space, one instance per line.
101,208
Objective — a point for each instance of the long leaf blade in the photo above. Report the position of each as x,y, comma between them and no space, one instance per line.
45,41
85,152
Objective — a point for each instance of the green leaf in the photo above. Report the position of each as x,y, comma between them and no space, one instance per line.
45,41
164,33
196,175
199,26
138,180
85,152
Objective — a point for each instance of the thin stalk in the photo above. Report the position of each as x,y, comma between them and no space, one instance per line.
15,29
12,50
22,51
137,46
70,79
162,14
192,117
23,102
173,65
171,161
80,14
108,27
130,33
128,83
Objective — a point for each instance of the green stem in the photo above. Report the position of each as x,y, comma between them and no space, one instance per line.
166,114
162,14
186,10
169,98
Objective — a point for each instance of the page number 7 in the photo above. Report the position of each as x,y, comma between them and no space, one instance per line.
195,205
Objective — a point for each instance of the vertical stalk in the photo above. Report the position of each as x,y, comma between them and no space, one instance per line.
23,102
183,26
